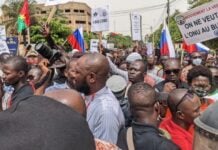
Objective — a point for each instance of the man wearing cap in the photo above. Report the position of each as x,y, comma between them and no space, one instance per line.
206,129
184,106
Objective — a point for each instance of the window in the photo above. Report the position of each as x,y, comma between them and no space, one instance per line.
43,12
67,10
80,22
69,21
89,23
88,14
76,10
81,11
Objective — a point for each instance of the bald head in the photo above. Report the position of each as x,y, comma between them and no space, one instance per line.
70,98
95,62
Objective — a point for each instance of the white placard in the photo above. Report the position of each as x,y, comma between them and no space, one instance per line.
94,44
199,24
149,46
136,26
55,2
100,19
2,32
3,47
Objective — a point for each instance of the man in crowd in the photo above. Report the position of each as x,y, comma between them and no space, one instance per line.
40,123
15,70
171,68
74,100
196,60
104,114
145,110
200,80
185,107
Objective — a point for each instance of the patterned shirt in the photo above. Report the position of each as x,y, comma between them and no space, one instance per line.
104,115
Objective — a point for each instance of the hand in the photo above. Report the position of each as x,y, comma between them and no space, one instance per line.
45,30
43,64
168,87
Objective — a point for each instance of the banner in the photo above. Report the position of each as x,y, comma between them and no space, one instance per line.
3,47
2,32
199,24
12,43
94,44
136,26
149,46
100,19
55,2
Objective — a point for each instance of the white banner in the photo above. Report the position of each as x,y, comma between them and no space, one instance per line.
2,32
100,19
136,26
94,44
3,47
55,2
199,24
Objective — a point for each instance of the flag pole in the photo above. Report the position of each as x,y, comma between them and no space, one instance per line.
182,56
28,33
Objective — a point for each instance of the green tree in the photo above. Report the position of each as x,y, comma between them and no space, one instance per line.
59,32
195,3
11,9
119,40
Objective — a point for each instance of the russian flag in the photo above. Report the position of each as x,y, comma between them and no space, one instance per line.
166,44
198,47
76,40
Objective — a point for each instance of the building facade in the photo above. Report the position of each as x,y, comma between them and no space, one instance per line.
76,14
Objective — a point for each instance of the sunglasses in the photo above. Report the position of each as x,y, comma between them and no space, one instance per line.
188,95
175,71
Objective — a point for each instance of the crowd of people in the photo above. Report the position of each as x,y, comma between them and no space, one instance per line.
114,99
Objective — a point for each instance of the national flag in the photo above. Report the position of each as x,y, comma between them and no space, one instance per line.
198,47
166,44
76,40
24,17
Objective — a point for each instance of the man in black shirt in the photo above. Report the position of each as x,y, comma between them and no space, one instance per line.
145,110
15,70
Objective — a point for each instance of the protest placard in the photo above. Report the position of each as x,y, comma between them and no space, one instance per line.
94,44
2,32
100,19
136,26
199,24
12,43
3,47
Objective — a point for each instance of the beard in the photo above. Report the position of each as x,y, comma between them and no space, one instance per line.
83,88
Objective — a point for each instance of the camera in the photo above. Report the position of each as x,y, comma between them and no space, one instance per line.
51,54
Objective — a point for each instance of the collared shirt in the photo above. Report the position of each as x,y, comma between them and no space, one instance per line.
104,115
181,137
57,86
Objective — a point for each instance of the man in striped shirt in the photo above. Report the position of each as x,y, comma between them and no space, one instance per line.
104,115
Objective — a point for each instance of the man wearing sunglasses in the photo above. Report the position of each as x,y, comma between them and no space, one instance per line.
185,107
172,69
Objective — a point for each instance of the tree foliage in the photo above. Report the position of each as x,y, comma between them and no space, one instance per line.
59,32
119,40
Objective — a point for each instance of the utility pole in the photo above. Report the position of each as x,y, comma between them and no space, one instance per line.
168,12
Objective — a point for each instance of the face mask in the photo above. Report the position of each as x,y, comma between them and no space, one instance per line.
200,92
197,61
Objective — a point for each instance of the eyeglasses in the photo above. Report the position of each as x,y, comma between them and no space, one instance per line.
188,95
175,71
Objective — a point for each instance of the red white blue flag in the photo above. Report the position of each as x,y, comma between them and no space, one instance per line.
198,47
166,44
76,40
